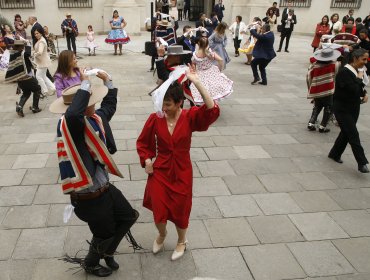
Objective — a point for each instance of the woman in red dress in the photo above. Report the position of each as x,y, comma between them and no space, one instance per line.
322,28
168,192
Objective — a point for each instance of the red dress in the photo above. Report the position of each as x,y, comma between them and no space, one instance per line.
168,192
320,30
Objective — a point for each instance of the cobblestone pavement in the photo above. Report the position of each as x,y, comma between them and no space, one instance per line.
268,203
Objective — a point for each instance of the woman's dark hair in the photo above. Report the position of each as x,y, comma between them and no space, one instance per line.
174,93
17,16
359,19
221,27
327,20
89,26
115,11
65,60
356,54
203,43
240,18
333,15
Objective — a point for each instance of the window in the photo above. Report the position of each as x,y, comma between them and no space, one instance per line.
296,3
346,4
75,3
17,4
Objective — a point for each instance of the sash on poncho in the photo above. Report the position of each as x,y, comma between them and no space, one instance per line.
73,172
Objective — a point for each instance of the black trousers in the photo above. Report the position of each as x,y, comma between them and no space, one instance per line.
179,14
348,134
30,86
109,215
325,103
237,42
262,64
71,39
285,34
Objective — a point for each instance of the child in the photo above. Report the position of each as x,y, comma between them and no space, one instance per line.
90,38
216,83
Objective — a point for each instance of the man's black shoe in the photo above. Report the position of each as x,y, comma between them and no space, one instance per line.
286,51
279,50
263,83
363,168
99,270
255,81
111,263
19,110
339,160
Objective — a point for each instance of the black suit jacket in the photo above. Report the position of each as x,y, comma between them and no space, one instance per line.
181,41
285,18
76,124
37,26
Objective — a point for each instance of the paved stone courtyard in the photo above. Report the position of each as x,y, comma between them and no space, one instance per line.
268,203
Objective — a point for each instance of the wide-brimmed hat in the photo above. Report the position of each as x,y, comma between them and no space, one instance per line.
327,54
60,105
177,50
68,14
164,22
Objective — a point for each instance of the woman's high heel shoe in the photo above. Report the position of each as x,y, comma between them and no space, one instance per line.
177,255
158,247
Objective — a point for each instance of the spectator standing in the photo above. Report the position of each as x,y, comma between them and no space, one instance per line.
335,24
70,31
20,27
187,9
322,28
219,9
359,26
275,10
346,17
180,7
288,21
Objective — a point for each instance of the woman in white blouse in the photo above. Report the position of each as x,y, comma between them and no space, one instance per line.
42,61
238,29
335,24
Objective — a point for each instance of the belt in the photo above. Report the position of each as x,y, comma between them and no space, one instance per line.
90,195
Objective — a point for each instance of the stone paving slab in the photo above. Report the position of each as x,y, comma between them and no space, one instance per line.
17,269
244,184
266,261
275,229
8,238
356,251
320,258
33,216
276,203
17,195
222,263
356,222
237,206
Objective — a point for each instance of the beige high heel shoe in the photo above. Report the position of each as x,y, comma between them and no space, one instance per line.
158,247
177,255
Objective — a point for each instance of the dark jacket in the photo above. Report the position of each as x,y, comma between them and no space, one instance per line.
348,91
205,24
37,26
188,45
284,20
264,47
219,10
76,123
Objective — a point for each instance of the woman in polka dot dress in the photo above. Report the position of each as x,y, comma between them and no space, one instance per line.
217,84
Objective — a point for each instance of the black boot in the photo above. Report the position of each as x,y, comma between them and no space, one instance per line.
35,104
98,247
19,109
111,263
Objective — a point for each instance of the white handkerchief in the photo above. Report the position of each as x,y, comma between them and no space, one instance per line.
67,214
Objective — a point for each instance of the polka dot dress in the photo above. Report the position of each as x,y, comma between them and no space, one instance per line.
218,85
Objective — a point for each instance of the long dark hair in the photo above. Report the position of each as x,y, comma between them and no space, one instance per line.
333,15
65,60
115,11
327,20
221,28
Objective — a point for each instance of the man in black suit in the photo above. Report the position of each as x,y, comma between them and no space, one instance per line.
187,40
288,21
203,22
346,17
219,9
289,6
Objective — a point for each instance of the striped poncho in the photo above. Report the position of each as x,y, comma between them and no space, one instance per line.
321,79
73,173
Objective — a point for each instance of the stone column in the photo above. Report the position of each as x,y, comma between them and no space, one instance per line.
129,9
